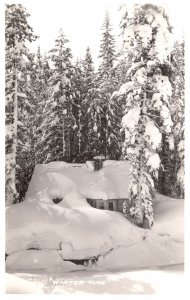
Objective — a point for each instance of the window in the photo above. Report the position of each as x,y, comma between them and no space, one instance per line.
101,206
110,205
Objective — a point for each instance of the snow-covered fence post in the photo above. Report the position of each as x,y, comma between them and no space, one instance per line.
147,116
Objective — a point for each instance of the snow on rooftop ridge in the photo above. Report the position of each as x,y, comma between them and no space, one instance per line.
99,157
59,165
110,183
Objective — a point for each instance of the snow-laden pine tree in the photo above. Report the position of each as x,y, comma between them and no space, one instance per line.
77,109
17,34
88,85
146,33
171,179
178,114
25,159
58,125
88,70
30,151
91,108
94,114
107,49
107,84
39,77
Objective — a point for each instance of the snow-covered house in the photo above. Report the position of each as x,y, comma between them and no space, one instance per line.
68,183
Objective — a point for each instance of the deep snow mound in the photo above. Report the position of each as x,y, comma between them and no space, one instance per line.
60,234
63,236
77,232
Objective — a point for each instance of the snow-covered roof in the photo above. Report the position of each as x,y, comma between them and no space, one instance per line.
99,157
73,181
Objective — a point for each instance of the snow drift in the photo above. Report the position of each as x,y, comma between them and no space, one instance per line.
65,236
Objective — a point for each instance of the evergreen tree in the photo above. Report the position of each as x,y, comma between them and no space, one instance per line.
88,70
77,91
83,82
122,66
17,33
94,114
178,113
91,109
107,84
171,177
88,88
25,159
107,49
111,115
31,114
57,127
147,115
40,82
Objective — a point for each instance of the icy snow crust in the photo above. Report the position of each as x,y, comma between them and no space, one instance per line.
42,235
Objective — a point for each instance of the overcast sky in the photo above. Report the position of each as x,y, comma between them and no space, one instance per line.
81,21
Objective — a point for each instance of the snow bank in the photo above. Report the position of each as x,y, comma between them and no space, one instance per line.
76,232
163,245
62,233
169,217
48,260
16,285
43,235
154,251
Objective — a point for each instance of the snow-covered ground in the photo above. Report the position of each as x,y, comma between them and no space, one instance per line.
47,238
163,281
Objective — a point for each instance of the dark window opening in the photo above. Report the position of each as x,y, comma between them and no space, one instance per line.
110,206
57,200
101,206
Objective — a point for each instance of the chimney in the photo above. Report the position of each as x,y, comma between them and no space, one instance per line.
98,162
